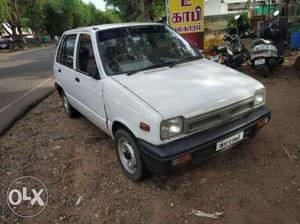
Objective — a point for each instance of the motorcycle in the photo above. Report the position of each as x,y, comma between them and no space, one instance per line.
229,54
267,51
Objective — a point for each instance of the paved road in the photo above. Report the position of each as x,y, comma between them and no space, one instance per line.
25,78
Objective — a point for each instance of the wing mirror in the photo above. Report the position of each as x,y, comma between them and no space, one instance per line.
237,17
276,13
94,72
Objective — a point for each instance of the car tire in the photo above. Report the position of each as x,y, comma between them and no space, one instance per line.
70,111
129,156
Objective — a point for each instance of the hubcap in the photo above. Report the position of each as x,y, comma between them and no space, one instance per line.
126,155
66,104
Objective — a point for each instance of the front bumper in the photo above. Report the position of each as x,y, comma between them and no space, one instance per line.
199,146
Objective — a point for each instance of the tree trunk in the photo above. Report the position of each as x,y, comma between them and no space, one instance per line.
15,25
147,10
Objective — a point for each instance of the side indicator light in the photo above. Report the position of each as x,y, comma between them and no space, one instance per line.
144,127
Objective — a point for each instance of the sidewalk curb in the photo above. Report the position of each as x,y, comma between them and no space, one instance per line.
20,114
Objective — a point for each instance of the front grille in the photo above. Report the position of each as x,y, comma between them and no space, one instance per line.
218,117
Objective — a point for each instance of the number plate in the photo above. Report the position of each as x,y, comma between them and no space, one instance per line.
260,61
228,142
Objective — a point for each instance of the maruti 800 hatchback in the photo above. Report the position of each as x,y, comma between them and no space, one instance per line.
164,105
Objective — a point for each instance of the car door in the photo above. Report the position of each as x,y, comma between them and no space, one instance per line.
64,68
89,89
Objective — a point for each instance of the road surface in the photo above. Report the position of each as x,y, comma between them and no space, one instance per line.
25,78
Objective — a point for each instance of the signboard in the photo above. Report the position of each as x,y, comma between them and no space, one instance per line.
186,16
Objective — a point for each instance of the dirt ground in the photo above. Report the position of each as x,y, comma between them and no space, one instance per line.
256,182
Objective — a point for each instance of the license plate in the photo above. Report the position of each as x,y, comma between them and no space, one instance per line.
260,61
228,142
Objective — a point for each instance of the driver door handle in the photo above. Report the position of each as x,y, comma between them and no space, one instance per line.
77,79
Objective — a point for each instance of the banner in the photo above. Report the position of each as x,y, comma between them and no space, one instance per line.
186,16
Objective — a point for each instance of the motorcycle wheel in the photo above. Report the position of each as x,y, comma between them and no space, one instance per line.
266,71
281,60
297,64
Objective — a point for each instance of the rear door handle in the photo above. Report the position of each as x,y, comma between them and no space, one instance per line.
77,80
59,70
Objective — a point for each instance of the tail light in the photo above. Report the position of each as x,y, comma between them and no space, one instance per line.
258,52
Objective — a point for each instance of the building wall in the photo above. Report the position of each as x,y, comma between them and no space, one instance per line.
215,7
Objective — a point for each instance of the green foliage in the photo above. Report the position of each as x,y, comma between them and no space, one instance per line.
242,21
4,10
139,10
55,16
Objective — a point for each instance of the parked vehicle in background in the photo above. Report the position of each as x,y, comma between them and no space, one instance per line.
5,43
232,53
267,51
164,105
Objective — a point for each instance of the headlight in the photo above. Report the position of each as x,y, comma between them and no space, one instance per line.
170,128
260,97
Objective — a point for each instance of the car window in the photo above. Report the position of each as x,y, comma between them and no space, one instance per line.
86,58
68,50
59,51
128,49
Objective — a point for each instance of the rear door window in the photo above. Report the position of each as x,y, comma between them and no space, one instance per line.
67,55
59,51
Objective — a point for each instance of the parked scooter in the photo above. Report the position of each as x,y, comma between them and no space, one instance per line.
267,51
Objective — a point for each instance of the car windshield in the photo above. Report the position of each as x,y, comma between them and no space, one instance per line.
130,49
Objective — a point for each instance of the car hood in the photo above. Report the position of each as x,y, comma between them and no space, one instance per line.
190,89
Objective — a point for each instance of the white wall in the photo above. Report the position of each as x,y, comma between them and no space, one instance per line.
215,7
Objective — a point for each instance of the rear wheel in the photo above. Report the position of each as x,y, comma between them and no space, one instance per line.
263,70
297,63
70,111
129,156
266,70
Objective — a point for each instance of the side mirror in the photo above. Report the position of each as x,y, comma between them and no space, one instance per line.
237,17
94,72
276,13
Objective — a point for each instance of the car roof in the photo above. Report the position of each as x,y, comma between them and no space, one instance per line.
96,28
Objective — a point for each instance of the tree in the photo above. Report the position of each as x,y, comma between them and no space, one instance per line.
32,15
4,13
138,10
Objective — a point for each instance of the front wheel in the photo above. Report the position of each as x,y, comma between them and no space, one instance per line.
129,156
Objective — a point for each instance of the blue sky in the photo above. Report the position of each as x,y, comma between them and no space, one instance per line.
100,4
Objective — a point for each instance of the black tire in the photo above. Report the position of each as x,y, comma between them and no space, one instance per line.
297,64
134,171
265,71
281,60
70,111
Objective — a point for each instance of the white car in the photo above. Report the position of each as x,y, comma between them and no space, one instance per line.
164,105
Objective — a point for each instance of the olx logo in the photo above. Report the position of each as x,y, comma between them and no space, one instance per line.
27,197
23,196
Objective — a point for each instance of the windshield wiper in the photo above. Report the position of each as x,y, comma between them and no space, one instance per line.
148,68
186,59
